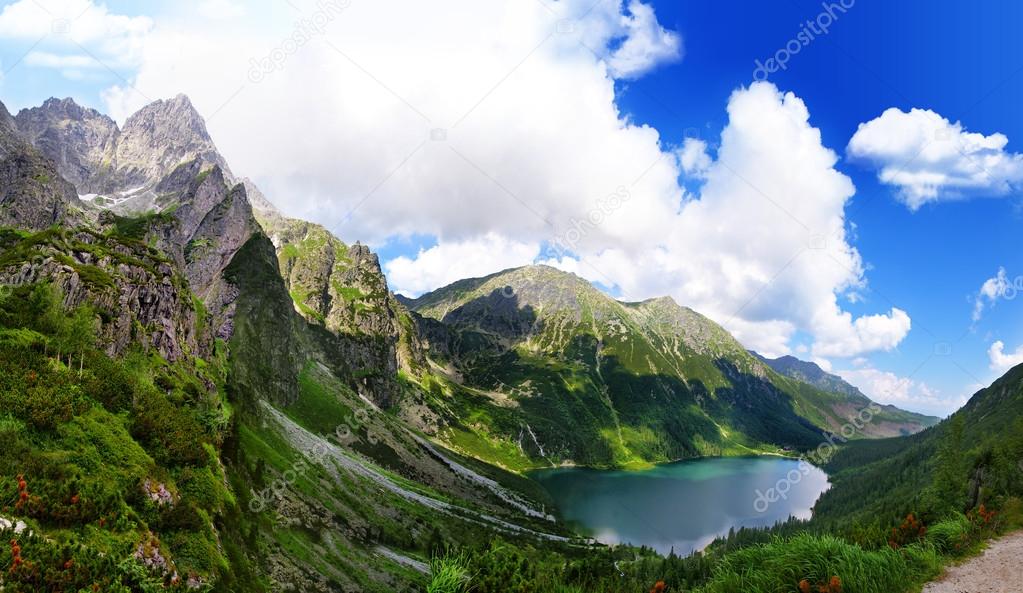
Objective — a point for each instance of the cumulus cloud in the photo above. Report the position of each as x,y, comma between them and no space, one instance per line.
443,264
1001,360
930,159
646,43
763,248
72,35
693,157
518,145
995,288
839,334
888,388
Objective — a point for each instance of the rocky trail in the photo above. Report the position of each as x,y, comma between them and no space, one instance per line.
998,570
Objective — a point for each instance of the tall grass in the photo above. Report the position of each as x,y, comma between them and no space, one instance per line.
449,574
951,535
780,566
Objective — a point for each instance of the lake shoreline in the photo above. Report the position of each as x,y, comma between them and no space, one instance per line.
683,505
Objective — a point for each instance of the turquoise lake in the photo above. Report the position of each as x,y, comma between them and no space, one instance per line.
684,505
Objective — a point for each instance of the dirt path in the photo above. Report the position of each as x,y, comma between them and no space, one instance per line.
998,570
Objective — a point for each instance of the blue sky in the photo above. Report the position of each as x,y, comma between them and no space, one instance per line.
473,206
962,60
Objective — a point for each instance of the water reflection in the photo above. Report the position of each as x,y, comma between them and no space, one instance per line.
685,505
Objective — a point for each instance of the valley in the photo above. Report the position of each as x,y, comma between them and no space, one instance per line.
202,393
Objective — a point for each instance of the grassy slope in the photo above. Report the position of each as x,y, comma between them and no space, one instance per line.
548,361
89,441
901,469
345,517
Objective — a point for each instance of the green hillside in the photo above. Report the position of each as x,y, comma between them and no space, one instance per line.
540,367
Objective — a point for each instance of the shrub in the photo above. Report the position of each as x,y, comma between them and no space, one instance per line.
449,574
783,565
911,530
951,535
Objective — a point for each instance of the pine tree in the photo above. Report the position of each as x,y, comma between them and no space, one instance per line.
948,490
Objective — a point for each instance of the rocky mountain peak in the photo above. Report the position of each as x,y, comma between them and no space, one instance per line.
812,373
64,109
77,139
8,132
159,137
174,118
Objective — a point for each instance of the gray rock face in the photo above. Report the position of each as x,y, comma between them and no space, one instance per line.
208,225
140,298
161,136
32,194
10,141
95,155
80,141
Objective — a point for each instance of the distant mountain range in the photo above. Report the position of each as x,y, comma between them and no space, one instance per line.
811,373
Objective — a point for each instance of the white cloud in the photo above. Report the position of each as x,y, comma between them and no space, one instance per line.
445,263
886,387
839,335
646,43
1002,361
693,157
763,249
519,140
221,9
73,35
993,289
930,159
49,60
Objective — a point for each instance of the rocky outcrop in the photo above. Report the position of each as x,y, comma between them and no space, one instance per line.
121,165
32,194
80,141
137,294
342,289
202,228
159,137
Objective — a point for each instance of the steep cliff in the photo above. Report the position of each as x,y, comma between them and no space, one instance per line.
32,193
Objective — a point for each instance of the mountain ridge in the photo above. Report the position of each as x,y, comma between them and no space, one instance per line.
812,374
307,427
505,334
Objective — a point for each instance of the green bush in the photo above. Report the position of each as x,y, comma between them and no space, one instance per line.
782,564
951,535
449,574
